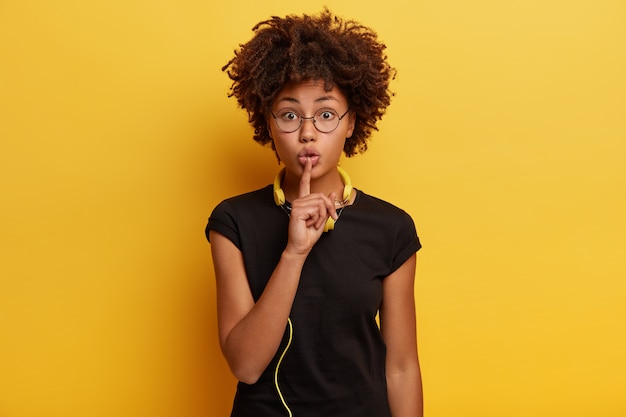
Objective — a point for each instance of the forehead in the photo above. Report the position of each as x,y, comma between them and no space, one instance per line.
309,92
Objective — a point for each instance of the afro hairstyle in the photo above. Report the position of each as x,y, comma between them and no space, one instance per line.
341,53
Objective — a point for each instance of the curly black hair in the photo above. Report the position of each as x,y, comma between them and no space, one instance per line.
342,53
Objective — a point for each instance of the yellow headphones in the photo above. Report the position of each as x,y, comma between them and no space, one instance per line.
279,194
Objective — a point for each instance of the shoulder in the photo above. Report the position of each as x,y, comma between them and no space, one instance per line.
389,228
245,203
233,213
252,196
383,217
379,207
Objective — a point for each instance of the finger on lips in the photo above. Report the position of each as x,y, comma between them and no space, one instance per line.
305,180
325,207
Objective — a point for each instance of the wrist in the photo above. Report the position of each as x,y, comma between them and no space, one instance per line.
292,254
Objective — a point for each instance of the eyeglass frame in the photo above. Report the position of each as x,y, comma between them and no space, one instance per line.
302,118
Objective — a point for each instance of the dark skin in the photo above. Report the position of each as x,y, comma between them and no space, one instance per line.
250,333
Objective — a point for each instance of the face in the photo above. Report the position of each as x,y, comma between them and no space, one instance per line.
305,100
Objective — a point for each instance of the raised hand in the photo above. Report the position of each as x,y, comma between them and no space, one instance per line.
309,213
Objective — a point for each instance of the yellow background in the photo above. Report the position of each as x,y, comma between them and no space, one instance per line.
506,142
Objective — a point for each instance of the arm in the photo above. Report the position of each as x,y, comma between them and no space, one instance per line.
397,322
250,333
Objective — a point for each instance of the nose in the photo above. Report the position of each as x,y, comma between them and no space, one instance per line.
308,132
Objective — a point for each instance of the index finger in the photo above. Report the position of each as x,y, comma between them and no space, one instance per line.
305,180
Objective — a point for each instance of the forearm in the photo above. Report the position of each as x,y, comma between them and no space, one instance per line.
252,342
404,390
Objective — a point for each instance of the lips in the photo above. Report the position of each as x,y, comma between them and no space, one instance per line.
308,154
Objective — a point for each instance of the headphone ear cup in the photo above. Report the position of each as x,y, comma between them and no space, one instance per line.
347,183
279,196
330,224
347,191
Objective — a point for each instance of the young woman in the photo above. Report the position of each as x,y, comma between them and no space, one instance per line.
304,266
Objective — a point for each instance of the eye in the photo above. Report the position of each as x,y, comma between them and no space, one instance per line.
326,115
288,115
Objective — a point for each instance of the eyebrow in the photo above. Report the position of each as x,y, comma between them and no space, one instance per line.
317,100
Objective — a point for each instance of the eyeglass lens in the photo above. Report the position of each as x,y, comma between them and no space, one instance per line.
325,120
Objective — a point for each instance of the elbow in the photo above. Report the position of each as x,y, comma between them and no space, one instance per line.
246,376
244,365
245,373
248,380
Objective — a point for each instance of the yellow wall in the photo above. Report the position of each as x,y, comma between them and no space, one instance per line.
506,142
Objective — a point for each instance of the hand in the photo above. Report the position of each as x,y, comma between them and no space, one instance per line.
309,213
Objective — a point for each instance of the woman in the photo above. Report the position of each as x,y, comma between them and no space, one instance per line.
304,266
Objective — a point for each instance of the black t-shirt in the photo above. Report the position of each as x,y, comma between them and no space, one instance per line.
335,364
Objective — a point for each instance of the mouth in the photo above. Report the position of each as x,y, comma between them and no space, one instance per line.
308,154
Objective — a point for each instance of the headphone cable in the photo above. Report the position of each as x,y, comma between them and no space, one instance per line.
280,360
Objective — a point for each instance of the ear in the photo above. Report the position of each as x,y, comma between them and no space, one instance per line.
351,124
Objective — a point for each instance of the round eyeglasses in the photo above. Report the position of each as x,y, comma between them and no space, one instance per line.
324,120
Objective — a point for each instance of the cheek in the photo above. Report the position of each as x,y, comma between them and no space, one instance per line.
343,144
337,149
281,144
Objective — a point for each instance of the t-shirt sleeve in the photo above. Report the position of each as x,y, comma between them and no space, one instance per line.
406,243
223,221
